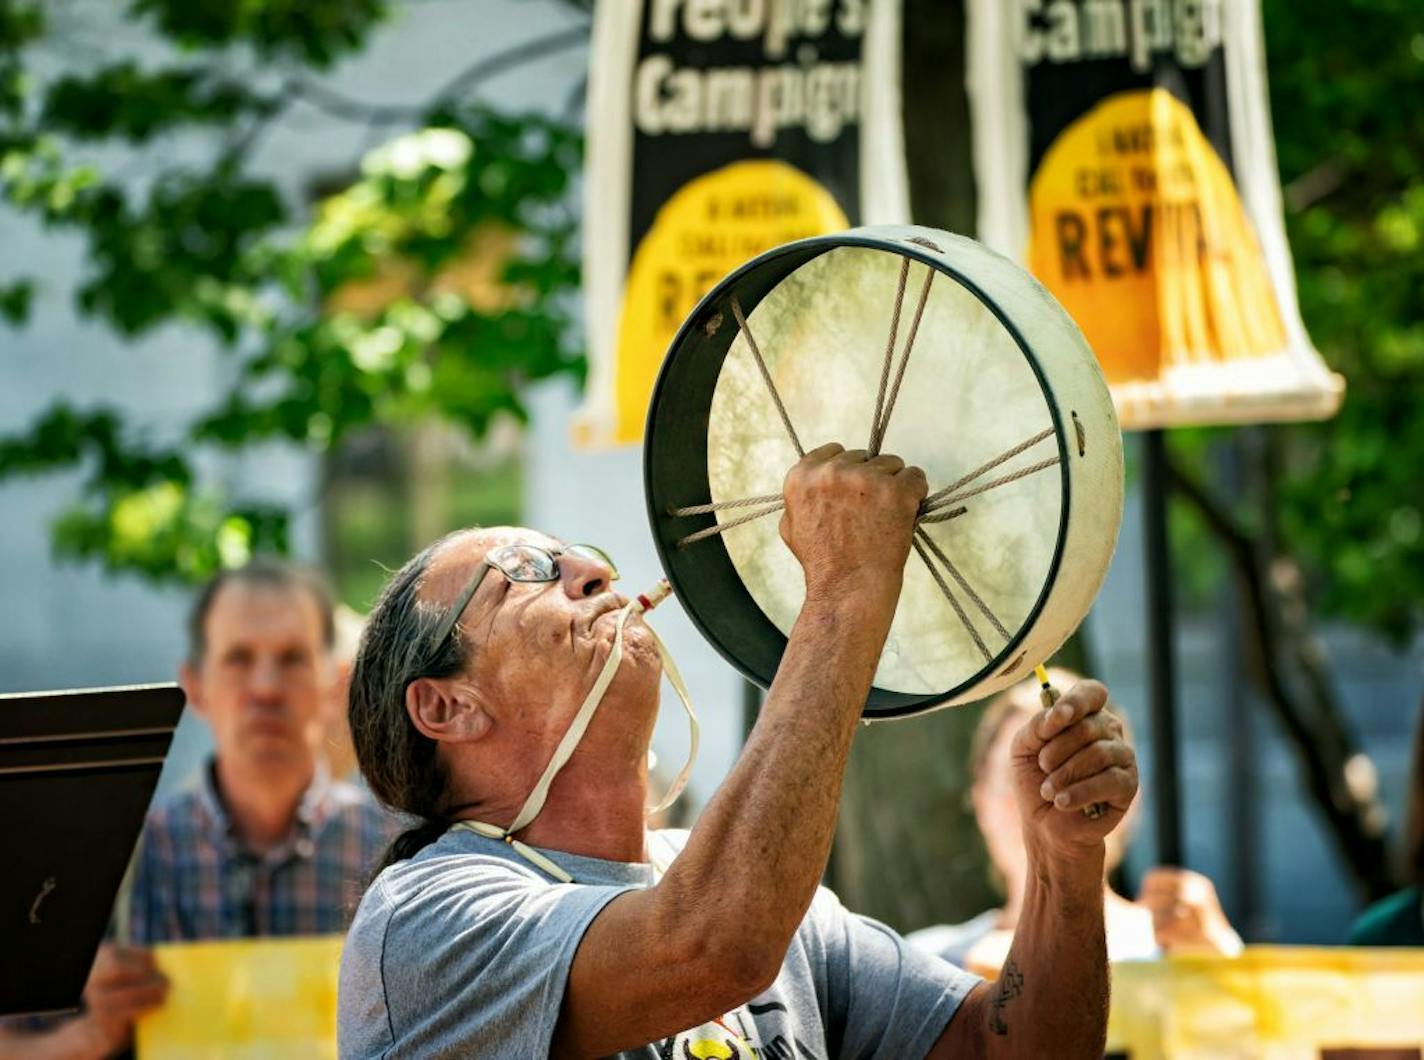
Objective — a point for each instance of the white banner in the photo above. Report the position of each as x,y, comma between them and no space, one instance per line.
716,132
1123,151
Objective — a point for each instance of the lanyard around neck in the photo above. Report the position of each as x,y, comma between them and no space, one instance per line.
535,802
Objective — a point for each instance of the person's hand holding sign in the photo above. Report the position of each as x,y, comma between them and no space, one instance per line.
124,984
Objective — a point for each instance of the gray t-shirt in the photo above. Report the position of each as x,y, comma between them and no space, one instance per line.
465,950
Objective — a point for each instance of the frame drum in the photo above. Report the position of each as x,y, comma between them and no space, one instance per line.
918,343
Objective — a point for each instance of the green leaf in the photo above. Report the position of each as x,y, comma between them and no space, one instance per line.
183,253
125,101
20,23
15,301
166,532
1347,499
312,31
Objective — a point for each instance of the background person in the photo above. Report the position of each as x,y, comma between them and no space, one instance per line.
1177,910
264,842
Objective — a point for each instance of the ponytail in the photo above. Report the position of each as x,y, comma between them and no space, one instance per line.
411,842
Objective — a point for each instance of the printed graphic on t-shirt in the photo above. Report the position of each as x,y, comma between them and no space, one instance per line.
752,1032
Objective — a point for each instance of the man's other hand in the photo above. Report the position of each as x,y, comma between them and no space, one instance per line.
849,520
124,984
1065,759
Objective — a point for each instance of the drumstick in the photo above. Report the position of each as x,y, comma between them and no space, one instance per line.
1048,695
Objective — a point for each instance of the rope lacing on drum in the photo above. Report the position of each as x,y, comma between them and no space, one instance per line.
940,506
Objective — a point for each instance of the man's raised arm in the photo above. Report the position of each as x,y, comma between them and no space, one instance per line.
714,931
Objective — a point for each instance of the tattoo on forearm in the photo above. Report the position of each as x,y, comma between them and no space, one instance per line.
1009,986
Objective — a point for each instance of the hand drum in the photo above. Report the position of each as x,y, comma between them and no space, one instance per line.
908,341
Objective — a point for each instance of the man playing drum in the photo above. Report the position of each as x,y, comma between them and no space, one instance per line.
485,658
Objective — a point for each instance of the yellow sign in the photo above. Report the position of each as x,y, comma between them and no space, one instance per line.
275,999
1126,152
1138,230
1271,1003
715,133
708,228
245,999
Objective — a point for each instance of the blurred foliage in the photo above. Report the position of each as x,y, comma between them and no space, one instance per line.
317,31
1346,81
457,238
126,102
1345,78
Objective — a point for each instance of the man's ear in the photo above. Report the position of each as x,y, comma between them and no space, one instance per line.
447,710
192,683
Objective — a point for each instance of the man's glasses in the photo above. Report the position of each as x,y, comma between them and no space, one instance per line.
518,563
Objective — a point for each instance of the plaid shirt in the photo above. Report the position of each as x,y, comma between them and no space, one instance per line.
194,879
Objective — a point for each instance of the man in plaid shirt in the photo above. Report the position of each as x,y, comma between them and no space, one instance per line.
264,842
198,878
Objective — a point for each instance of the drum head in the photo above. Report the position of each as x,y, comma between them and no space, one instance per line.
999,400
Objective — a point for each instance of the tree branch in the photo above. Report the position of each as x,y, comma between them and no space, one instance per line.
576,99
1319,183
338,105
494,65
239,147
358,112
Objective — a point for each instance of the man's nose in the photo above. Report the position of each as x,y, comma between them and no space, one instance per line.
266,680
584,575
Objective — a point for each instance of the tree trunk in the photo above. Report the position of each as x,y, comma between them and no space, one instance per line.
938,144
907,849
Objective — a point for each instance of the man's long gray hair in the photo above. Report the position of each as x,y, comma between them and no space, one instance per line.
399,762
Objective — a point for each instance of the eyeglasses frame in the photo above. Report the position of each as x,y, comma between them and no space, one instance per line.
451,617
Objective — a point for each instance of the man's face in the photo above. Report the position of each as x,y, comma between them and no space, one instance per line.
265,683
538,647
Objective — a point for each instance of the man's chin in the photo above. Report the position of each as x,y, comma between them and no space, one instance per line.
271,751
641,661
639,646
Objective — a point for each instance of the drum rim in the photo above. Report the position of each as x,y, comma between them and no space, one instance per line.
874,238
